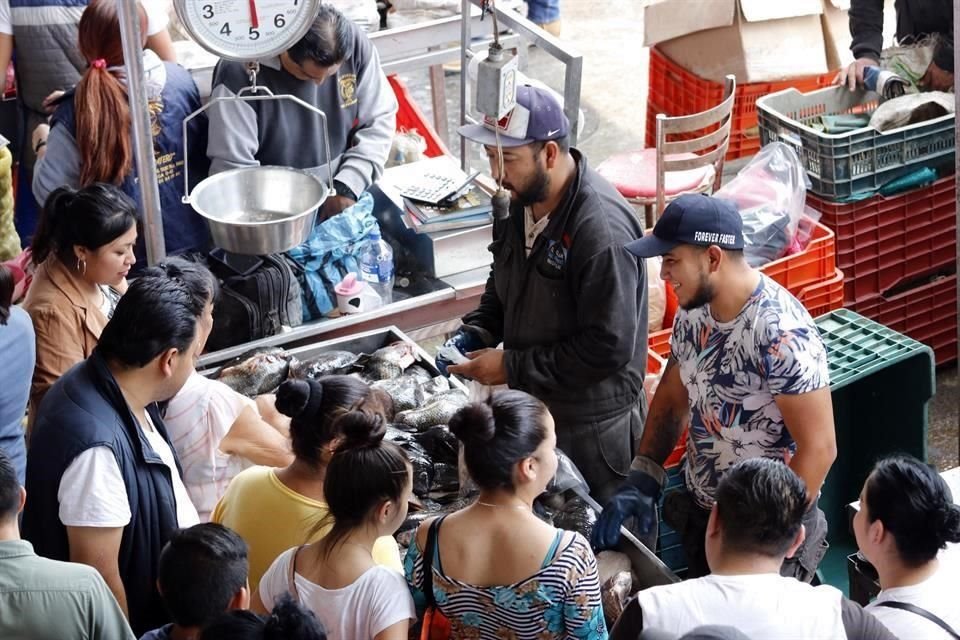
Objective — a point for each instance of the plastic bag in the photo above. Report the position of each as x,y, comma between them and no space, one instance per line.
770,193
568,476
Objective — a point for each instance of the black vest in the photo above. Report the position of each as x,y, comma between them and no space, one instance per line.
85,409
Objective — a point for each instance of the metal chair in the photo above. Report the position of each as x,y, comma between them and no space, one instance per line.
679,163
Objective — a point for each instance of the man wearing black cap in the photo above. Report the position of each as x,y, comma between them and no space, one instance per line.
565,297
747,371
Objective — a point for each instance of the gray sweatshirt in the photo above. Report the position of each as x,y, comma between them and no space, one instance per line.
361,117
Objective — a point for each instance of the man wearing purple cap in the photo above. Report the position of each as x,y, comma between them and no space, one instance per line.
565,297
747,371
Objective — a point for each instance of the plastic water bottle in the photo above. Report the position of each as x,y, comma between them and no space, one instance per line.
376,265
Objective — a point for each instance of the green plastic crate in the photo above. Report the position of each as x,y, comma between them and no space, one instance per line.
881,382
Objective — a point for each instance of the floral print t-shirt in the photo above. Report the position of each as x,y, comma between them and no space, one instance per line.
560,601
732,372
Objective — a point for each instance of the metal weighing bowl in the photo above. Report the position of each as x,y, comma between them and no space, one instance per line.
259,210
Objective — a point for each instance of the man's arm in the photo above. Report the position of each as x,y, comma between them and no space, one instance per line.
866,28
669,413
99,547
6,51
362,163
106,617
233,138
611,303
809,419
162,44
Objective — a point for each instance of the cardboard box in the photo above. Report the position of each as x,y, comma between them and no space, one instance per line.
756,40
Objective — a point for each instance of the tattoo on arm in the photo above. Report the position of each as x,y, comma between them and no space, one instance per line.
664,424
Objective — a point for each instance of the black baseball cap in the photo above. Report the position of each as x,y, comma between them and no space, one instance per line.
694,219
537,116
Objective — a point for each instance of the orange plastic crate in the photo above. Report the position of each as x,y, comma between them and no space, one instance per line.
823,297
675,91
411,118
815,263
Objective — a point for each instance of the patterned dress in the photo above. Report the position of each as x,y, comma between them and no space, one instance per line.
560,601
733,371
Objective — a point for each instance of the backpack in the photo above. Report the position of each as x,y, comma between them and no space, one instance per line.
258,295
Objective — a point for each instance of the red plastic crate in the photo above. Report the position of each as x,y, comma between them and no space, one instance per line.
677,92
884,242
823,297
411,118
927,313
816,263
659,343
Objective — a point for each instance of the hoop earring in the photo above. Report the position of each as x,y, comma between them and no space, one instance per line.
82,266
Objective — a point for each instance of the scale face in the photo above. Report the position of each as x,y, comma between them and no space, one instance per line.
247,30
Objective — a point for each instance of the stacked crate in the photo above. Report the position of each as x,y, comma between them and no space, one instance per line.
898,252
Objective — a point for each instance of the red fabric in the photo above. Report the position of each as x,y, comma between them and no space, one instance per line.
634,174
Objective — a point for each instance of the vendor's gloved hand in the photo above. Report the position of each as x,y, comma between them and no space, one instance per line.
636,498
465,340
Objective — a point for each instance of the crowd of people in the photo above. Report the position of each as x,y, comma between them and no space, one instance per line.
144,500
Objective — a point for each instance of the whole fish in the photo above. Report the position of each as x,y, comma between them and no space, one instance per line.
440,444
259,374
422,464
323,364
418,374
246,355
446,479
402,390
439,410
576,515
388,362
430,388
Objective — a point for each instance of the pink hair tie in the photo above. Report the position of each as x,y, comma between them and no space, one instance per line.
99,63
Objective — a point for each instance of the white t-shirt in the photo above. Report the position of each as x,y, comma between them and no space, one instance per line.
156,10
197,419
532,228
6,25
937,594
377,600
92,492
767,606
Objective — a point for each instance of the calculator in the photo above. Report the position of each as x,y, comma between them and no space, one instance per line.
431,188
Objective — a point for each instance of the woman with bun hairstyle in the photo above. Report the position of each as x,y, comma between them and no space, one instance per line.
498,570
274,509
91,137
368,484
287,621
83,249
907,516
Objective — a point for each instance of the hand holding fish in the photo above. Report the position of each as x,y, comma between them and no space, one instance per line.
486,367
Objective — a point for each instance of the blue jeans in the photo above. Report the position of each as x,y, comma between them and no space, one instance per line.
543,11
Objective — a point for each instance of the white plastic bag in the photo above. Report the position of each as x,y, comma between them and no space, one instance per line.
770,192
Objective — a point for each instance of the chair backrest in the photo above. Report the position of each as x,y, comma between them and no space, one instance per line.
709,148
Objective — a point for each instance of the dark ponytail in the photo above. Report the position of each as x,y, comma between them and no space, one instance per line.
90,217
365,471
915,505
287,621
498,434
314,406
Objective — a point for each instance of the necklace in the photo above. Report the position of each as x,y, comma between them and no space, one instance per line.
504,506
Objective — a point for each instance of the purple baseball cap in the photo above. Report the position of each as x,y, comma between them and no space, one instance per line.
537,117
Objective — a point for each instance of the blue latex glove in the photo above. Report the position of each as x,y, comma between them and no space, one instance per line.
464,341
637,498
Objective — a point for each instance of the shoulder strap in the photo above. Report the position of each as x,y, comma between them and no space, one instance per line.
291,575
912,608
428,552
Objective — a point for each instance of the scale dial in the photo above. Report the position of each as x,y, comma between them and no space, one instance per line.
247,30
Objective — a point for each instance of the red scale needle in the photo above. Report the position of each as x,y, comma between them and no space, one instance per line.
254,21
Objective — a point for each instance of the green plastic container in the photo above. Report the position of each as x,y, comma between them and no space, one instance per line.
881,382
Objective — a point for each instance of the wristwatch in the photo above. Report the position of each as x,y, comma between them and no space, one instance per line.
344,191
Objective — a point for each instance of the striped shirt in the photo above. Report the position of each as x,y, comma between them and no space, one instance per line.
560,601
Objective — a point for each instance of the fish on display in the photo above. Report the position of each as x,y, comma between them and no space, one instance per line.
388,362
576,515
431,387
438,410
418,374
446,479
440,444
323,364
257,374
402,390
423,468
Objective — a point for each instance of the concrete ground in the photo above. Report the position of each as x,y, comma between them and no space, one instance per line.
609,34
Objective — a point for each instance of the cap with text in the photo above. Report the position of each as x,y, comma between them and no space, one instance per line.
537,116
693,219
